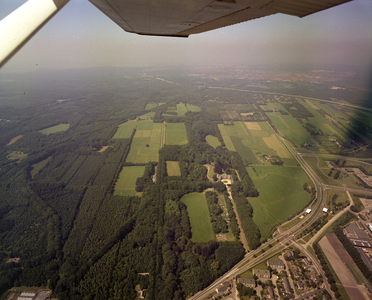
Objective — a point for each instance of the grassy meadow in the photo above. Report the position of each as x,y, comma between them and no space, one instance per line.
198,212
175,134
173,168
147,133
55,129
213,141
126,183
252,140
125,130
281,191
290,128
37,167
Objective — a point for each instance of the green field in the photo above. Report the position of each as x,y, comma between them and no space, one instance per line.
198,212
290,128
126,182
150,114
281,190
150,106
147,133
37,167
252,140
213,141
181,109
173,168
125,130
262,218
322,123
54,129
193,108
125,192
175,134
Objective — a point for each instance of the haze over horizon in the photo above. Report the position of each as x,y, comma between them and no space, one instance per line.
82,36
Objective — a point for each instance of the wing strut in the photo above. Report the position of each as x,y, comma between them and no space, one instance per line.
19,26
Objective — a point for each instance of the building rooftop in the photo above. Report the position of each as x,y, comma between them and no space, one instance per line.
354,231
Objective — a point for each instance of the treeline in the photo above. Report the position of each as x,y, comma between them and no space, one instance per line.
233,222
355,255
298,111
327,272
219,225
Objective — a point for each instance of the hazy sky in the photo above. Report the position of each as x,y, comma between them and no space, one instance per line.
81,36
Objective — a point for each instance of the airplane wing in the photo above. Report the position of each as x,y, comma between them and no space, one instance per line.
184,17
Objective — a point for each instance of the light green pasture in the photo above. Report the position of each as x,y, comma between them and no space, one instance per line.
54,129
175,134
197,209
125,130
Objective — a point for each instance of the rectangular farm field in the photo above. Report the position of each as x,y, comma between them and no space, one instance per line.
197,209
125,130
173,168
175,134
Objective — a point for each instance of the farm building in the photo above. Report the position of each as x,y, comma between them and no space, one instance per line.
276,265
261,273
247,282
287,287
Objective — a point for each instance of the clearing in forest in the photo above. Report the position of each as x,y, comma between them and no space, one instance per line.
54,129
213,141
13,140
281,190
125,130
173,168
127,178
146,143
16,155
197,209
38,166
175,134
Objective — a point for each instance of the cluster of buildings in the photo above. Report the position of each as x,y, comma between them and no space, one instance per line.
358,235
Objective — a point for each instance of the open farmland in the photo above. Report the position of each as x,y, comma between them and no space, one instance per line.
175,134
146,143
126,183
173,168
125,130
252,140
290,128
55,129
150,106
324,124
281,189
262,218
198,212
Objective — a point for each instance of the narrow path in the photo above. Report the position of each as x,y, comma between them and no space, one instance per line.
242,235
